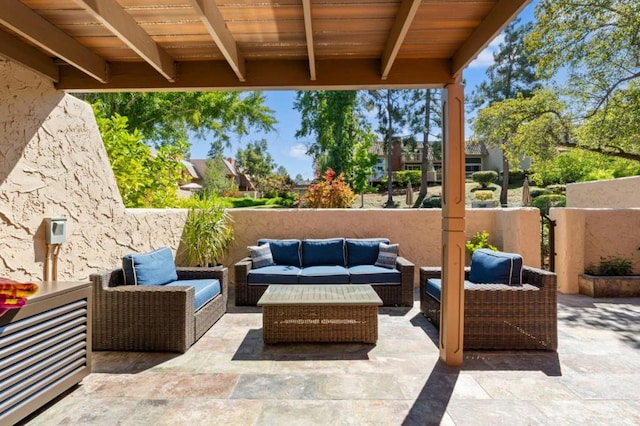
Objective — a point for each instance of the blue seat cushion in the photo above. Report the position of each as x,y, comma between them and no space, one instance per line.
363,251
206,289
324,275
323,252
153,268
277,274
284,252
496,267
434,287
370,274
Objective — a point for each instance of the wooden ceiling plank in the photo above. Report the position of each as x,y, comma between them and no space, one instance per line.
308,30
501,14
406,13
17,51
28,24
120,23
216,26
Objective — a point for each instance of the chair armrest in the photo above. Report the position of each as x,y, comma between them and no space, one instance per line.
406,269
221,273
241,270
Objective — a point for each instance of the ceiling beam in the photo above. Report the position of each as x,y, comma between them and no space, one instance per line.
121,24
404,18
34,28
15,50
217,28
308,29
501,14
346,74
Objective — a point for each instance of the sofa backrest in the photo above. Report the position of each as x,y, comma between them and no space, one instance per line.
284,252
363,251
316,252
496,267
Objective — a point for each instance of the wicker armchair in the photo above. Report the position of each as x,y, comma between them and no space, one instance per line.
499,316
153,318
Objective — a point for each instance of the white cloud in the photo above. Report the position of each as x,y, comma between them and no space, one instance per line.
298,151
485,58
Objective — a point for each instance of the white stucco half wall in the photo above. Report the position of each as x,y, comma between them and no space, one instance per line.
613,193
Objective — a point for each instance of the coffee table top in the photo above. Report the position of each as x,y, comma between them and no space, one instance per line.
322,294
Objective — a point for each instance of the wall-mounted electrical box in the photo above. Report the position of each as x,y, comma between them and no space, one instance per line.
55,229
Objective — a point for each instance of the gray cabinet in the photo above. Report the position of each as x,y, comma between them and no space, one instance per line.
45,348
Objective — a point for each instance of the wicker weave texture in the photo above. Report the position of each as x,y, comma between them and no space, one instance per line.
153,318
498,316
314,323
391,295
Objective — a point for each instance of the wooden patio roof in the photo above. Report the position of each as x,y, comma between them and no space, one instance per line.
108,45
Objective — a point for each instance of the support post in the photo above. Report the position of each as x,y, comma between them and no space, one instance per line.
453,226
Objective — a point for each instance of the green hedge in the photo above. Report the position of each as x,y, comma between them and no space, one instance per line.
545,202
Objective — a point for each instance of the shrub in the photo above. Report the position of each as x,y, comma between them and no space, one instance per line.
484,195
207,233
611,266
538,192
478,241
485,178
330,192
413,176
432,203
545,202
557,189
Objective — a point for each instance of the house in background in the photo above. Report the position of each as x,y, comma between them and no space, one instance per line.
195,170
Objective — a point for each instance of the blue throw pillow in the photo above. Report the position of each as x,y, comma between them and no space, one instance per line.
152,268
363,251
496,267
323,252
388,253
261,256
284,252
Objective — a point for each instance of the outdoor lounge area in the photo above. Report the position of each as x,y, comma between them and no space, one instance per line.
229,377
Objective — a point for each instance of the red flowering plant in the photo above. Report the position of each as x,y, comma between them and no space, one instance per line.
330,192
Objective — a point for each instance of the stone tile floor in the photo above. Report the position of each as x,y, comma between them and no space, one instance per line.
229,378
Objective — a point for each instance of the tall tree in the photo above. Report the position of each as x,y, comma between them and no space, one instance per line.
512,73
333,118
255,160
393,109
168,117
363,162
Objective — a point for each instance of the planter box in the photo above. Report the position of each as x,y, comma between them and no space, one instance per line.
599,286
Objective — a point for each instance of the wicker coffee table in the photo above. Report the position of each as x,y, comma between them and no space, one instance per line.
320,313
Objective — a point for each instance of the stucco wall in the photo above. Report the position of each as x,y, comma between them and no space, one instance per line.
614,193
53,163
585,235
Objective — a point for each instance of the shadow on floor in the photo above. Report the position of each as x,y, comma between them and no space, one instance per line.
431,404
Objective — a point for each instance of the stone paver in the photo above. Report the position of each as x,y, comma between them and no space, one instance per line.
230,378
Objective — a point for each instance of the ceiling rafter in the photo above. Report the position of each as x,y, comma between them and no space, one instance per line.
121,24
501,14
217,28
401,25
308,29
28,24
13,49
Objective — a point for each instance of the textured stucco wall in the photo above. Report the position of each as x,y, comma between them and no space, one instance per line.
53,163
614,193
585,235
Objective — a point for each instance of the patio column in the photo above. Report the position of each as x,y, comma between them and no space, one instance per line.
453,226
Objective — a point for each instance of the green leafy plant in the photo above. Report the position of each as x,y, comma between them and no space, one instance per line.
611,266
330,192
432,202
485,178
478,241
207,233
545,202
483,195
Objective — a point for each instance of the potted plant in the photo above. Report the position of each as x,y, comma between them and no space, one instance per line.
478,241
612,277
207,233
484,199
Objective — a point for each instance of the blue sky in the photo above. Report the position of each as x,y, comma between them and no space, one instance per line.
289,152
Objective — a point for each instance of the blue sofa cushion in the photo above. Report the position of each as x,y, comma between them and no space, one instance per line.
277,274
363,251
496,267
323,252
261,256
324,275
434,287
153,268
387,255
284,252
370,274
206,289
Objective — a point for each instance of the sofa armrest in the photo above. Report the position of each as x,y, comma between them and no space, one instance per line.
241,270
406,269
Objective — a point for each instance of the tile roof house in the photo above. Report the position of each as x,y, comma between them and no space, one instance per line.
196,168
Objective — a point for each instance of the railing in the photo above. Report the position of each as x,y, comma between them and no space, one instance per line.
547,242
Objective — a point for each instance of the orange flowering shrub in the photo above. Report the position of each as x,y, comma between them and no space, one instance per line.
330,192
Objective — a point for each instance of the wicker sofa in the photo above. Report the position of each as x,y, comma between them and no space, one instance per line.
344,261
154,317
502,316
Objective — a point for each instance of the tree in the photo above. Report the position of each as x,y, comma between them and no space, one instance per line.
393,111
216,182
255,160
169,117
512,73
333,117
363,162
